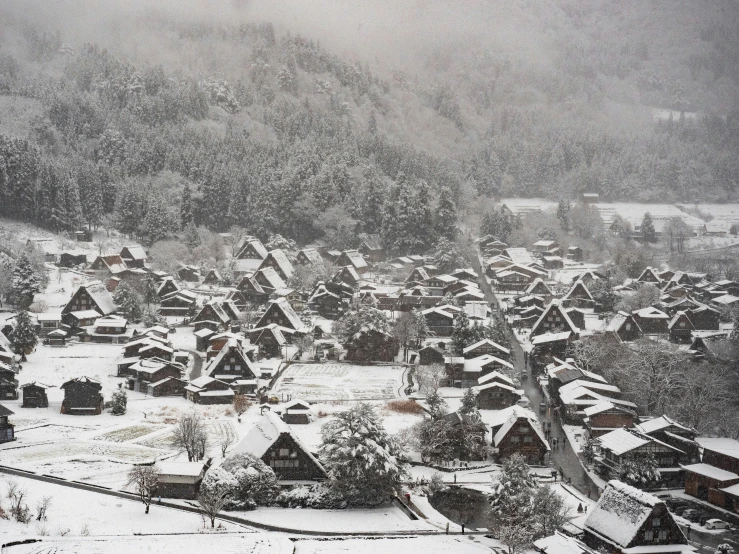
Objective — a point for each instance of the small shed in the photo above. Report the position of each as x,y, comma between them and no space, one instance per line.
82,396
34,395
296,412
83,235
181,479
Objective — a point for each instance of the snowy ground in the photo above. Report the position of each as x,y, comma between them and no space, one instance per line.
386,519
226,543
340,382
77,512
395,545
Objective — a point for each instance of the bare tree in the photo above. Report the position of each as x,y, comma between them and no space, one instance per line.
227,439
190,435
240,405
429,378
145,479
42,506
18,507
211,501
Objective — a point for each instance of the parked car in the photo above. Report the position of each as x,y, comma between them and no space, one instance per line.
716,524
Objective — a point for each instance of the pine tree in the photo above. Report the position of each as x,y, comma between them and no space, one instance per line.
563,214
186,207
128,302
156,223
647,228
23,336
446,215
469,404
374,195
25,284
365,465
118,402
192,238
460,333
423,227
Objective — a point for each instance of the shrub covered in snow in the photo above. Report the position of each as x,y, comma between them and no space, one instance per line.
251,482
317,496
118,403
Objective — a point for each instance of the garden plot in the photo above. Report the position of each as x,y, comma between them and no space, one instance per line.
40,454
129,433
339,382
48,433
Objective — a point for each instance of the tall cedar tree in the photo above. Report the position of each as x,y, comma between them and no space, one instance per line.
186,207
365,464
647,228
23,336
446,215
25,283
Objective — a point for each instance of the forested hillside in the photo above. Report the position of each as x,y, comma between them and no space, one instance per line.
322,124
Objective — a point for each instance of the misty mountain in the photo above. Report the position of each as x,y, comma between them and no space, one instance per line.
313,118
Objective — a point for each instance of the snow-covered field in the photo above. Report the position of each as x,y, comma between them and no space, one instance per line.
78,512
399,545
337,382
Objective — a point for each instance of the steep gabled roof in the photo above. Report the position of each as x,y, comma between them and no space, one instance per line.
282,262
287,310
535,285
578,290
513,418
620,513
555,307
267,276
495,376
659,423
312,255
102,298
135,252
677,317
486,342
370,241
265,433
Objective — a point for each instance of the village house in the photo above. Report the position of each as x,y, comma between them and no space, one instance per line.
516,430
181,303
269,279
207,390
649,275
354,259
706,482
156,350
370,247
167,286
231,365
372,345
47,322
189,273
213,277
652,321
465,373
326,303
272,441
605,417
704,318
296,412
282,314
252,249
348,275
623,444
46,246
309,256
680,328
8,383
575,253
72,259
720,452
34,395
252,291
151,370
112,265
82,396
440,319
715,478
486,346
277,260
92,296
110,329
627,520
220,313
270,340
548,346
180,479
496,391
625,327
237,297
169,386
578,296
554,319
133,256
7,429
431,354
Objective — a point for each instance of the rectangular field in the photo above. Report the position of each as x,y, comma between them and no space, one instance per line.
338,382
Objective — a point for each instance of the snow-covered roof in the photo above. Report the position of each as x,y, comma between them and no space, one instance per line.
621,441
596,387
49,316
264,434
711,472
550,337
203,333
181,469
495,375
85,314
111,321
515,416
651,312
660,549
598,408
519,255
732,490
476,364
495,385
562,544
486,342
658,423
620,513
728,447
136,252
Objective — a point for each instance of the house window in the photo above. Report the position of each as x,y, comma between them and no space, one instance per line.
515,439
648,535
628,326
682,324
527,439
663,534
655,522
284,452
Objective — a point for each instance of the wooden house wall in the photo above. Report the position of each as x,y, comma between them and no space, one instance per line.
522,439
294,464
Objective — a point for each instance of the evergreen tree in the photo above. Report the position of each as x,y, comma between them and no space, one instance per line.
150,292
647,228
447,256
460,333
469,404
498,224
25,283
423,226
374,195
421,329
446,215
563,214
118,402
365,465
128,301
157,223
192,238
186,207
437,406
23,336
